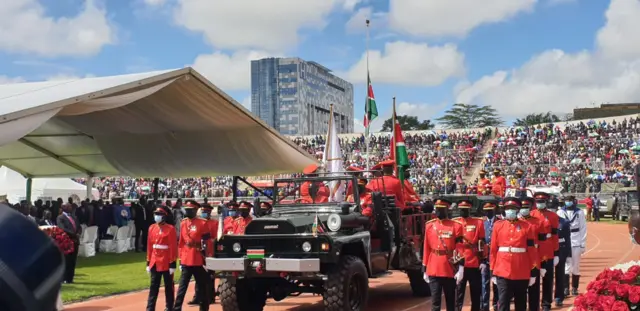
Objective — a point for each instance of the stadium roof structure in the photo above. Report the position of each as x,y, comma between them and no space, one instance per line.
170,123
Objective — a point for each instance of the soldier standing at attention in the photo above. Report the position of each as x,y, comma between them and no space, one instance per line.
444,268
483,182
245,218
564,254
162,254
540,236
578,225
489,221
194,236
513,257
473,244
549,247
212,224
499,185
229,223
388,184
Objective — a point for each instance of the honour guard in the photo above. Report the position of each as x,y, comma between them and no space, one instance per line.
489,221
245,218
564,253
473,250
388,184
499,184
212,224
229,223
540,235
442,259
521,184
483,182
162,254
194,236
578,230
513,257
548,248
321,193
355,171
265,208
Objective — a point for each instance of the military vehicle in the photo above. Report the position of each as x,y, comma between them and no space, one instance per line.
623,202
320,247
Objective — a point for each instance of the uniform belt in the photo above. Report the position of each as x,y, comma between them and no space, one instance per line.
575,230
193,245
440,252
561,240
548,235
160,246
506,249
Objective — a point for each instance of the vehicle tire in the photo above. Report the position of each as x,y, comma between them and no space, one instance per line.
419,287
240,296
347,286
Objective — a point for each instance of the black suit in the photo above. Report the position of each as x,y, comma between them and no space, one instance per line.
141,220
73,229
44,222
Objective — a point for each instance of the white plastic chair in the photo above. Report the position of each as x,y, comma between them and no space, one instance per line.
122,240
132,237
87,247
109,245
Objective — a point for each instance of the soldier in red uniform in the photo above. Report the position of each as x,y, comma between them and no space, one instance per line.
540,236
410,195
162,254
357,172
366,201
307,187
229,223
482,183
194,236
244,219
499,184
473,252
212,224
549,248
442,244
265,208
388,184
513,257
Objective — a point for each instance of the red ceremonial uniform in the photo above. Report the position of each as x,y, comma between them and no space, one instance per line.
472,232
390,186
499,186
162,246
241,224
549,223
192,232
212,224
483,184
229,225
442,237
322,195
409,192
366,201
513,251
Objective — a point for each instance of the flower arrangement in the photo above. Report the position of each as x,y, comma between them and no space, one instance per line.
60,238
614,289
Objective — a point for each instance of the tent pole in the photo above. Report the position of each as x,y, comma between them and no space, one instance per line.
28,194
156,182
89,184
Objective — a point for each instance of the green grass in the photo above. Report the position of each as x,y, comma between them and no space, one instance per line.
108,274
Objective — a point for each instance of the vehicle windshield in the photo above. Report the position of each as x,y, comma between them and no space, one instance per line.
632,198
315,190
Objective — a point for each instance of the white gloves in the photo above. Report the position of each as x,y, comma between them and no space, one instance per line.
556,260
459,275
582,250
148,270
483,268
172,271
532,281
494,280
542,273
425,277
568,261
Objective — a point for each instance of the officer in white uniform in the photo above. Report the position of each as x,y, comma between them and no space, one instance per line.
578,225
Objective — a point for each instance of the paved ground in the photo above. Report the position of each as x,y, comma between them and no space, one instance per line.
608,245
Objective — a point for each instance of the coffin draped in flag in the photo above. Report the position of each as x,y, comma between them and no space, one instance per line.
398,149
332,160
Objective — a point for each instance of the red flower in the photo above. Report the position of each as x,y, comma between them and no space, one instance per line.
61,239
620,306
634,294
622,291
606,302
591,299
611,287
635,269
629,277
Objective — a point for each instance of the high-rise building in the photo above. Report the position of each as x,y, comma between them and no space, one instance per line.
294,96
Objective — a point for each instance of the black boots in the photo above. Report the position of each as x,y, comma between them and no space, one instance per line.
566,285
575,281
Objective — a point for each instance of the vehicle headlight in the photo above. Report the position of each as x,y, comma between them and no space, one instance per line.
334,222
237,247
306,247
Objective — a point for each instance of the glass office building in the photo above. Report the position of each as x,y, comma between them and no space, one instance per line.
294,96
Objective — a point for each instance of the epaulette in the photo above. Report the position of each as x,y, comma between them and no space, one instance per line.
432,220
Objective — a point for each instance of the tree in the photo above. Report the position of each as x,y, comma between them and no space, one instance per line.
462,116
537,118
408,123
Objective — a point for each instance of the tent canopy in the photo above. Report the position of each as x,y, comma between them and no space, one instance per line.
14,187
157,124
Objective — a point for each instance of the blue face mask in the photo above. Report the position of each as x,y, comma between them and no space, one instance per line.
158,219
568,204
204,215
525,212
233,213
510,214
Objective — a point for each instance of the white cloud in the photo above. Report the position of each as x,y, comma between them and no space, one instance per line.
256,24
358,126
246,102
559,2
558,81
64,77
409,64
25,28
357,22
228,72
10,80
451,17
420,110
155,3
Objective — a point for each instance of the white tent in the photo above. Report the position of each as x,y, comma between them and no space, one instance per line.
14,187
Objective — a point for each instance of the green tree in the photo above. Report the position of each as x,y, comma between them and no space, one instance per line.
408,123
537,118
462,116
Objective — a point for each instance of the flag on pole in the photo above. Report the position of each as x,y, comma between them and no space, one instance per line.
317,226
370,108
398,149
332,159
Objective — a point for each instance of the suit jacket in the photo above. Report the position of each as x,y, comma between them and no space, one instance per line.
44,222
65,224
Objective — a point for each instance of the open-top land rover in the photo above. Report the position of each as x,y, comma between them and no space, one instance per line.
326,248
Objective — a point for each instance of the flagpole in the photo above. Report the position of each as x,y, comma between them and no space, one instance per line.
367,130
393,137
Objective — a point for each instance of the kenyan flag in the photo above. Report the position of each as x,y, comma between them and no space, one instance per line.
398,149
255,253
370,108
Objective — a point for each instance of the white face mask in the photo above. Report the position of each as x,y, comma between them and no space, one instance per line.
158,219
541,205
524,212
510,214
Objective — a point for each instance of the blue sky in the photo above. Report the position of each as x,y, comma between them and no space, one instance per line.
519,56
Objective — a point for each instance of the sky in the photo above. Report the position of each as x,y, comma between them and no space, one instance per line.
518,56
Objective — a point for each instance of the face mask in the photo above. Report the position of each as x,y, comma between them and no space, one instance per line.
541,205
190,213
233,214
244,213
489,213
158,219
441,213
568,204
524,212
204,215
464,213
510,214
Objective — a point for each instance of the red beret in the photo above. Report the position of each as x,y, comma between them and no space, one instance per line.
464,204
354,169
442,203
191,204
310,169
160,211
527,202
489,205
541,196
